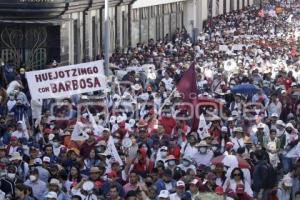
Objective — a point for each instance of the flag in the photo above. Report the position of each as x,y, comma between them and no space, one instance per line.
94,124
77,133
202,128
261,13
187,85
112,150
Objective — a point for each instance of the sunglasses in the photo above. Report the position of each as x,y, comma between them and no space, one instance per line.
237,174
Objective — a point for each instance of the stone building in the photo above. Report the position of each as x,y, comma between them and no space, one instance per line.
35,32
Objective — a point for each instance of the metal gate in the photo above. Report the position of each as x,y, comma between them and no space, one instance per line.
24,46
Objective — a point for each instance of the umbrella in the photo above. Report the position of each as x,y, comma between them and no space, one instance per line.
245,88
231,161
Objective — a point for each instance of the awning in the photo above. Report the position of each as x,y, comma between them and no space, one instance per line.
54,22
148,3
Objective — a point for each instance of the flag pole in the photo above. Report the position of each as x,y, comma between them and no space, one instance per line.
106,38
167,99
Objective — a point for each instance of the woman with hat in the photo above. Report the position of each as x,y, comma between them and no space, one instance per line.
284,189
238,140
215,129
237,181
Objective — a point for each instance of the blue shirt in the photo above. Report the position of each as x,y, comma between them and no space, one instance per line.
38,188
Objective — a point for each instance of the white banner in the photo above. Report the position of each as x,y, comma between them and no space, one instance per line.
111,150
65,81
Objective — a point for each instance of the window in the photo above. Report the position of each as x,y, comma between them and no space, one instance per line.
167,9
76,41
160,10
180,6
153,11
135,14
94,42
174,7
144,12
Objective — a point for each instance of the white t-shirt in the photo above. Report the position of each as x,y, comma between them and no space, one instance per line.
174,196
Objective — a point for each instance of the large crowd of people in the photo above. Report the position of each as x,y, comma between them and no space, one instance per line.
137,140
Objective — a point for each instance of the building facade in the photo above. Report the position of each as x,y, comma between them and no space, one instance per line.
33,33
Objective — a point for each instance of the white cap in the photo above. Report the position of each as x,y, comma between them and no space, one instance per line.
280,122
164,148
120,119
51,136
180,184
46,159
88,186
290,125
260,125
37,161
112,119
51,195
287,180
224,129
164,194
274,115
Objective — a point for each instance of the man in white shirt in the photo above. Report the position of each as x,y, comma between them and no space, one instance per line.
180,190
204,154
21,132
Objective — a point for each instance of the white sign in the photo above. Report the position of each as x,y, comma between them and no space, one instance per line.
112,150
65,81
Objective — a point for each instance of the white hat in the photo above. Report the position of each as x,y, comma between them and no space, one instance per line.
290,125
238,129
120,119
280,122
51,136
16,156
202,144
194,181
230,119
51,195
136,87
46,159
116,96
234,113
131,123
224,129
188,158
274,115
37,161
88,186
287,180
260,125
180,184
56,182
164,148
164,194
112,119
215,118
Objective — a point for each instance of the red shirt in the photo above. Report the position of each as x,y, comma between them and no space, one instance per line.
168,123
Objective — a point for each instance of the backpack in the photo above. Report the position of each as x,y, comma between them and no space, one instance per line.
270,180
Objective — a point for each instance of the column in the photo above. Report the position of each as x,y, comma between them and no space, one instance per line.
251,2
227,6
241,4
188,16
89,34
235,4
214,6
202,16
221,3
245,3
